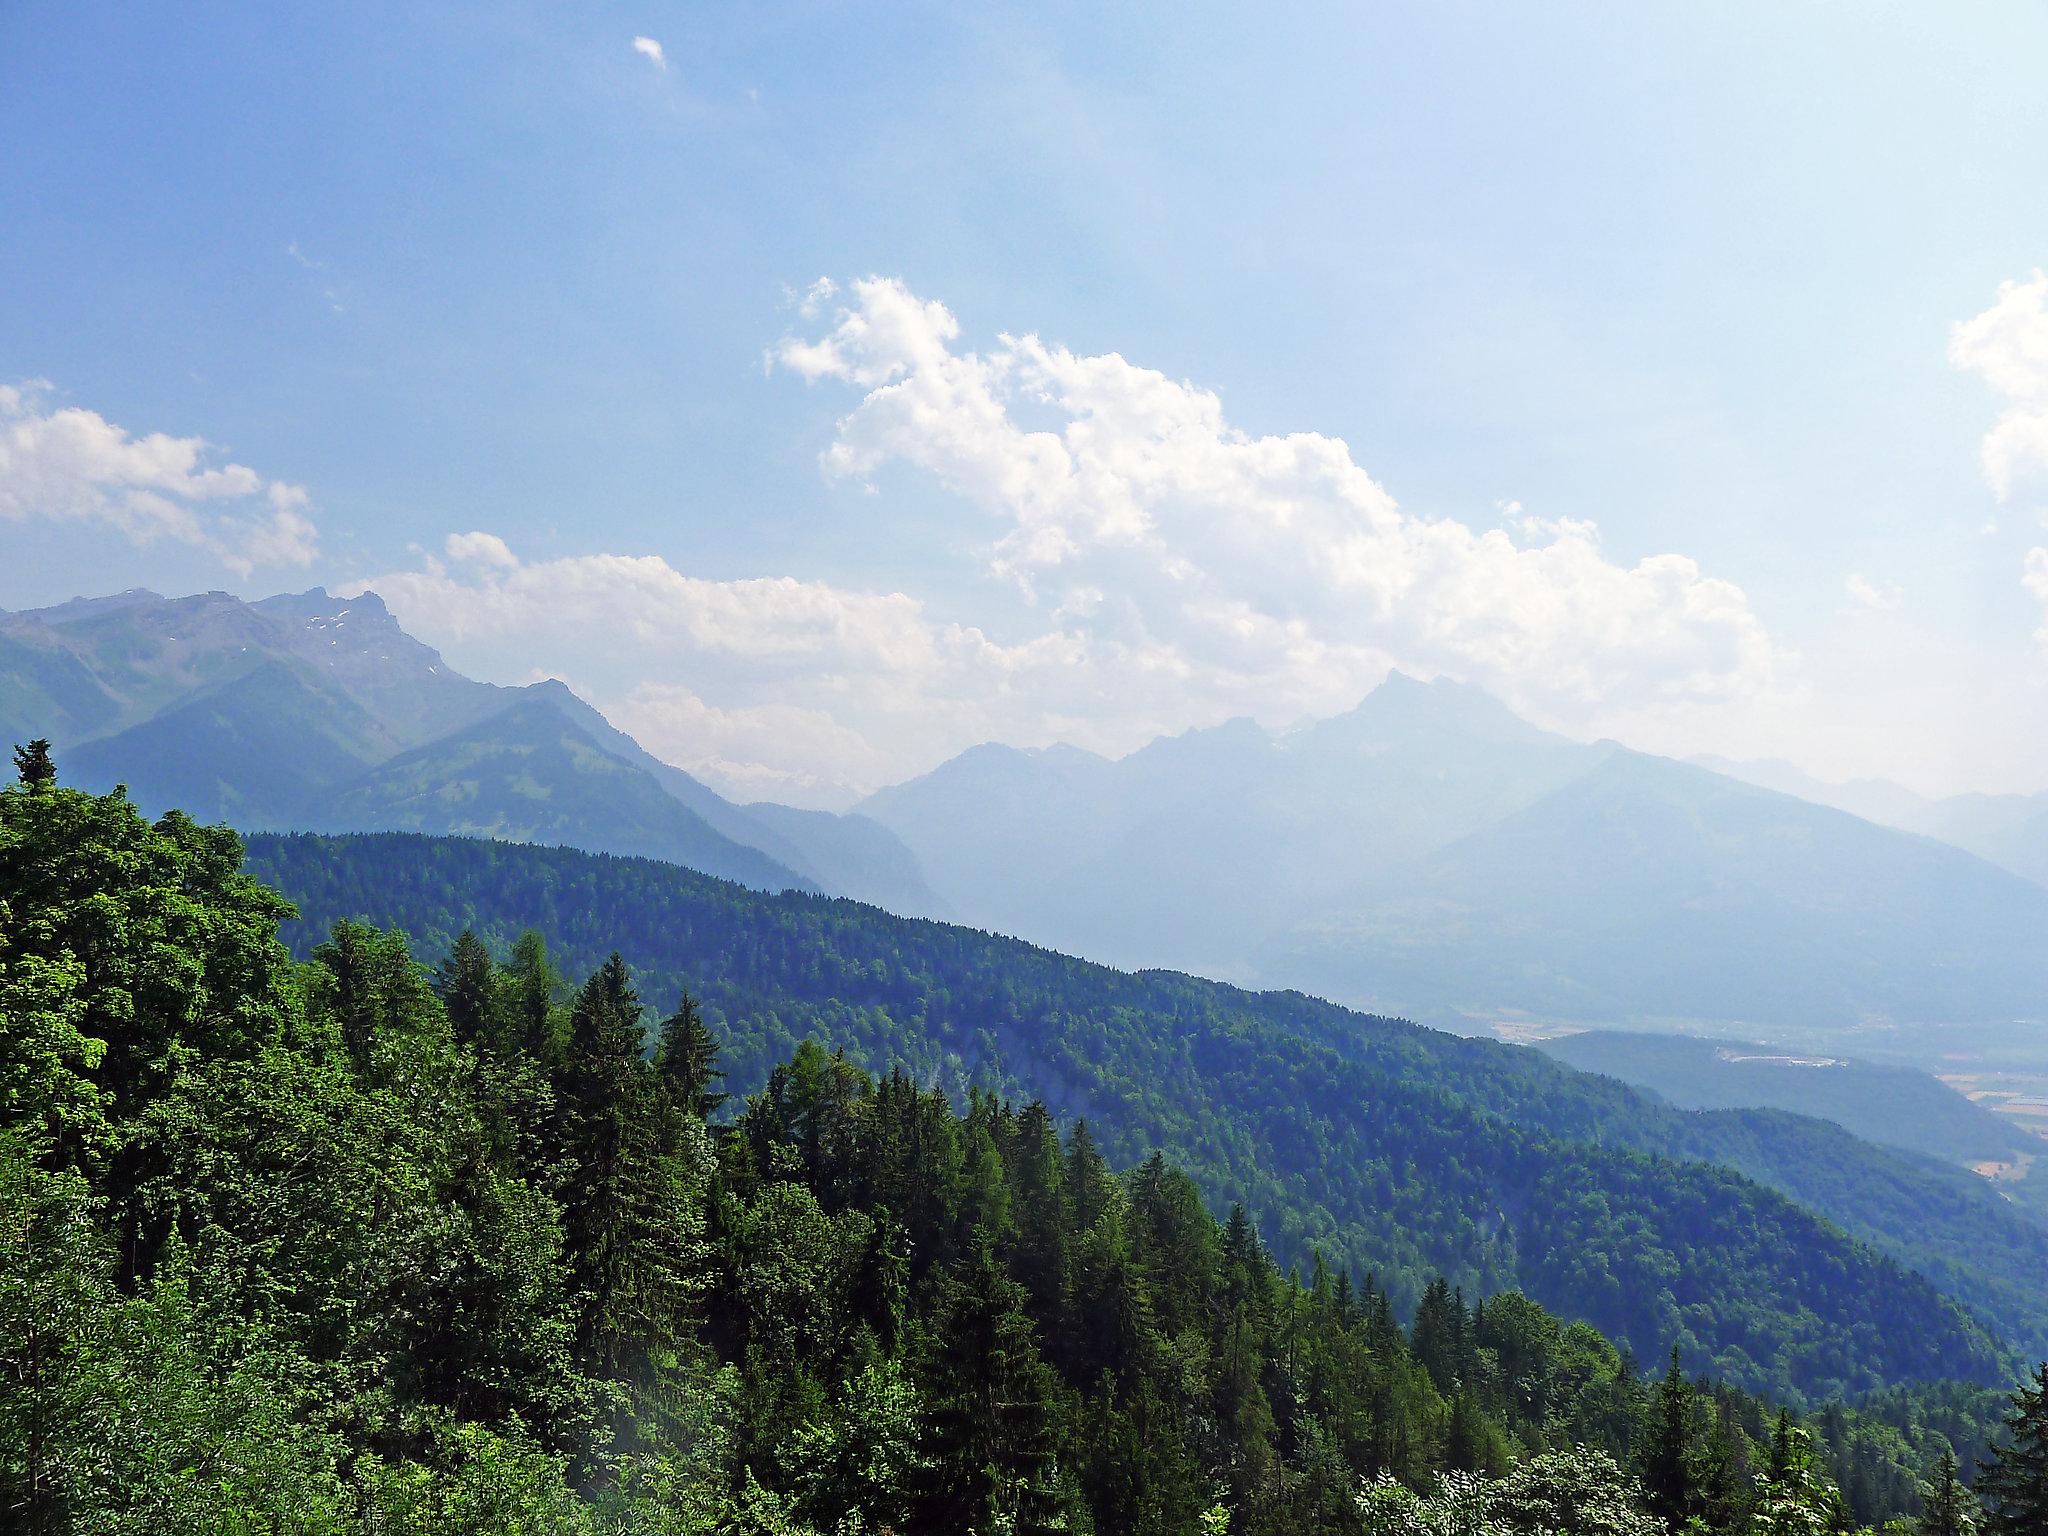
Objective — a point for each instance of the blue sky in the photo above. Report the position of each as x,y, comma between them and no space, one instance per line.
1691,275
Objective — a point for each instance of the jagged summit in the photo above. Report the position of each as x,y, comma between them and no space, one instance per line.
1403,703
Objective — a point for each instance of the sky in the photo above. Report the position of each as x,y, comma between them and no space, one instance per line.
823,389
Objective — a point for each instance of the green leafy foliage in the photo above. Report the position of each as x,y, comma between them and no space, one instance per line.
352,1246
1392,1149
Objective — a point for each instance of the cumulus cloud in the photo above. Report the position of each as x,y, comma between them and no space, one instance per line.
2007,345
477,548
1277,558
1866,593
1174,572
649,49
66,463
2035,580
824,692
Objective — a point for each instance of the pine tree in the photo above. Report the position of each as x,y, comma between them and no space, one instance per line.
1945,1504
464,981
1040,1216
629,1218
1669,1471
531,981
1088,1177
1439,1340
347,956
33,764
2014,1483
991,1429
1795,1498
687,1060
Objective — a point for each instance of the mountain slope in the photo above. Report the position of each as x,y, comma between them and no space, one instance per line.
259,712
1390,1147
1895,1106
846,855
1432,853
528,774
2010,831
259,750
1651,888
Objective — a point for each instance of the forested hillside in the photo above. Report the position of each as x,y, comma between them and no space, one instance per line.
348,1245
1898,1106
1390,1148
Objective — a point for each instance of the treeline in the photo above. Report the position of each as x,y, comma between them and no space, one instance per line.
1390,1149
349,1245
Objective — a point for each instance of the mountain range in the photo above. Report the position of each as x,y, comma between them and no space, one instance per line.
2009,830
1428,853
314,712
1432,854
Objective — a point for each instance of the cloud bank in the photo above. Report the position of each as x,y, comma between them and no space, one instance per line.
2007,345
1174,571
66,463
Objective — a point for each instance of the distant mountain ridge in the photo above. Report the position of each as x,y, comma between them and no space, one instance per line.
306,711
1432,853
2009,830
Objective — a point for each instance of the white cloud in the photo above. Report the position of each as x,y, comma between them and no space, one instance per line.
825,692
1871,594
2036,583
2007,345
1276,558
1177,572
66,463
648,48
485,549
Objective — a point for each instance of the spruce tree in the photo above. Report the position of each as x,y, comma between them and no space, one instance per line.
1946,1508
348,959
626,1212
1669,1471
1438,1340
991,1428
1088,1177
465,983
34,766
2014,1483
687,1060
530,984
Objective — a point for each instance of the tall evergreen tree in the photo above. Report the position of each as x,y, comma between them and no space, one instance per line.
991,1438
629,1212
531,981
1946,1508
2014,1483
349,960
32,763
465,982
1669,1471
1439,1341
687,1060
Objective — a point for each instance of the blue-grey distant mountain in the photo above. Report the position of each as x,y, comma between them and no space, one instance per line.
1432,853
2009,830
1892,1105
310,711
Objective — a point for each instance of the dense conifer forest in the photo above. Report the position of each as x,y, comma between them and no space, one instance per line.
1389,1148
357,1243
